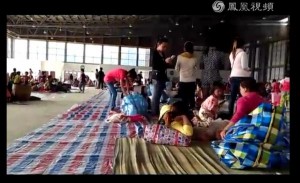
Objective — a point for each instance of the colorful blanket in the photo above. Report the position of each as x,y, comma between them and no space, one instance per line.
73,145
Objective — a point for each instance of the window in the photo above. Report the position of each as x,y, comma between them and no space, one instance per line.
257,53
74,52
144,57
8,47
256,75
93,53
110,55
128,56
277,59
37,50
21,48
56,51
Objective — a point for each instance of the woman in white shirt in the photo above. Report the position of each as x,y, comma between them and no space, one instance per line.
239,70
186,65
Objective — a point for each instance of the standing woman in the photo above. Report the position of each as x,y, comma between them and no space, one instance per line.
159,76
239,70
122,76
212,60
186,65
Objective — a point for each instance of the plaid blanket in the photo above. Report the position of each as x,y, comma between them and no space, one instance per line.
71,146
257,140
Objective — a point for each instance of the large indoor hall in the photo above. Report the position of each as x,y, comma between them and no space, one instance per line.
148,94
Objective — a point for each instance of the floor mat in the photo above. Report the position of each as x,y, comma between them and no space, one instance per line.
71,146
135,156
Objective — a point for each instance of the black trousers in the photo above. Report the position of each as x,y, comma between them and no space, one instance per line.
186,92
101,83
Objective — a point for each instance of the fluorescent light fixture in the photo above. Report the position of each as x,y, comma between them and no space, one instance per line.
285,20
176,23
170,30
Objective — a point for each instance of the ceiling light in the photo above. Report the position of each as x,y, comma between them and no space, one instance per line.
176,23
285,20
264,18
33,26
209,28
45,32
130,32
222,21
128,37
130,25
192,26
31,19
59,29
18,37
91,38
51,38
84,26
170,30
200,33
165,36
87,32
270,37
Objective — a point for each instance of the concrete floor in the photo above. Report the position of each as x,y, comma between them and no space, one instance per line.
23,119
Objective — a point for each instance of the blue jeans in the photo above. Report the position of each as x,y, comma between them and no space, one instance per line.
158,88
113,95
235,90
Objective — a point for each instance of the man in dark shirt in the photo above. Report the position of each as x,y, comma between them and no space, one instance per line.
101,78
159,76
97,79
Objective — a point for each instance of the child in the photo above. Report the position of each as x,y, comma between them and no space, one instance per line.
209,108
275,95
285,90
174,116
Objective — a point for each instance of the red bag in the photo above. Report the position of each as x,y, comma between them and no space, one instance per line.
160,134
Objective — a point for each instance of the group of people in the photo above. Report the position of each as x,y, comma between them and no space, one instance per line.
242,85
278,91
15,79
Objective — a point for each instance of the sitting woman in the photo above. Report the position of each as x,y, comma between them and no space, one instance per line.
174,116
247,103
209,108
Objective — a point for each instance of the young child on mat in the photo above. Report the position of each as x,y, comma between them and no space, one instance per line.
209,108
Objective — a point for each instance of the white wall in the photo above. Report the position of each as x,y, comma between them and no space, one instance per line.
61,67
23,65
